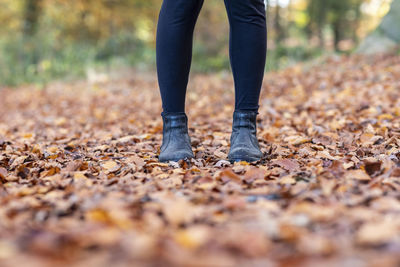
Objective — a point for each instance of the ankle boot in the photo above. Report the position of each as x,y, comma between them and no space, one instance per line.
244,143
176,141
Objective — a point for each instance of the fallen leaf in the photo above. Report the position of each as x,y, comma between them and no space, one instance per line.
288,164
357,175
377,233
111,166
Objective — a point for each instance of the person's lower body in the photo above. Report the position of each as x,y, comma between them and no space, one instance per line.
247,55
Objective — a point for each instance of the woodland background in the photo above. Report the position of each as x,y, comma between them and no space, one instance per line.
80,133
43,40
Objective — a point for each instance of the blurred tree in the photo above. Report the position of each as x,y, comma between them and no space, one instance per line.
32,10
278,27
9,16
387,36
42,39
317,19
342,16
92,20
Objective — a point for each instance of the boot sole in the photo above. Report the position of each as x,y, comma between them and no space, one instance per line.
243,159
175,160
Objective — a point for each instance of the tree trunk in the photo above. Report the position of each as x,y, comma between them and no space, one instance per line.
321,24
336,35
386,38
31,17
356,24
317,13
280,34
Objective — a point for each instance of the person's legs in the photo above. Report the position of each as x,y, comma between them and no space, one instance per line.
248,46
174,50
174,55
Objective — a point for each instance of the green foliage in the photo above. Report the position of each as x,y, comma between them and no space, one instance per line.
42,40
284,56
390,24
342,17
43,58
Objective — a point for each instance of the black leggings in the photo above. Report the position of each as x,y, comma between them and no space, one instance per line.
247,49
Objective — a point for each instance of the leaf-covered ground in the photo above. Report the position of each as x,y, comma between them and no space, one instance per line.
81,184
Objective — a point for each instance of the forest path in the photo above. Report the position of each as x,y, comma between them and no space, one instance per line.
81,185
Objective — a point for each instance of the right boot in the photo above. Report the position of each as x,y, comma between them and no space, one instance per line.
176,143
244,143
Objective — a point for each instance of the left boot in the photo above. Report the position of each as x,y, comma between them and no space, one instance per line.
244,143
176,143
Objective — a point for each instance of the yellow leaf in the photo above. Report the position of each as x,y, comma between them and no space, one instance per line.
60,121
206,186
110,166
296,140
287,180
98,215
385,116
27,135
193,237
397,111
36,149
52,149
50,172
219,154
365,137
79,175
357,175
348,165
377,233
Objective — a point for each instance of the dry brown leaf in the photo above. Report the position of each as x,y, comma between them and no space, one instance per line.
287,180
288,164
80,177
377,233
358,175
111,166
297,140
193,237
228,175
